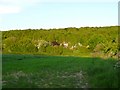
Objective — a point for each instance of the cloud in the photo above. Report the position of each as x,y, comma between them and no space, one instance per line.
19,2
15,6
9,9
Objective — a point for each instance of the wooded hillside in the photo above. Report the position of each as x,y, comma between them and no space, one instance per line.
84,41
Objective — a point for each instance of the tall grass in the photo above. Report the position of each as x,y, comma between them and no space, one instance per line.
34,71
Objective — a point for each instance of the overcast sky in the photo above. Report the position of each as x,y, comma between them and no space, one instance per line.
23,14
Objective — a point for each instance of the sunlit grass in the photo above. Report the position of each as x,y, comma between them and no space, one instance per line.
34,71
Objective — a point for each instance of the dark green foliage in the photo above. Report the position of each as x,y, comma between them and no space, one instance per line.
89,40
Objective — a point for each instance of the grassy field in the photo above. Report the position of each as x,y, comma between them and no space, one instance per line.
35,71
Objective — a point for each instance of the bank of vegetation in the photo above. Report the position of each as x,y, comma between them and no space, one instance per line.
84,41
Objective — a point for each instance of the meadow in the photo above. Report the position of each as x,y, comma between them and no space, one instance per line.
41,71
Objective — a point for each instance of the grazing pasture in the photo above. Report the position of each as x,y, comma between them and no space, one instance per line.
39,71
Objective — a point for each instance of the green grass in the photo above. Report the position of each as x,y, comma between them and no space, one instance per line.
38,71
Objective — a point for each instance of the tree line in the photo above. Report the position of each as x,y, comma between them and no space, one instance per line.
84,41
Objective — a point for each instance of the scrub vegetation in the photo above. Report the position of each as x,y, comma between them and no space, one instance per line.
84,41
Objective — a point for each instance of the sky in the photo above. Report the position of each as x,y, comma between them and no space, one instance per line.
46,14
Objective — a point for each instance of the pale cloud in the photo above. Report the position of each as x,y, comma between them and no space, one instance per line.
9,9
15,6
19,2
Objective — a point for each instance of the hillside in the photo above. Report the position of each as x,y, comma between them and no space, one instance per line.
84,41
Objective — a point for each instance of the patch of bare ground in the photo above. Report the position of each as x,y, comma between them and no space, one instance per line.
79,79
56,79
